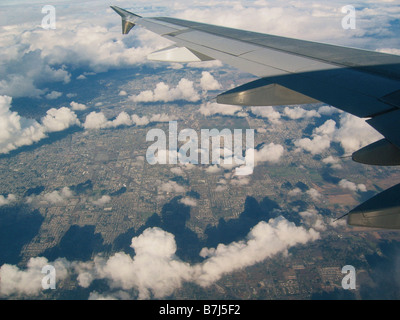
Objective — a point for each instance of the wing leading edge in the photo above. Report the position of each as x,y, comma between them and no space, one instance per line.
291,71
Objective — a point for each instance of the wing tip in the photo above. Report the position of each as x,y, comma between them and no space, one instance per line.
124,13
128,18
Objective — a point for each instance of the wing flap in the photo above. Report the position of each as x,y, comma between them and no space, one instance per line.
177,54
381,211
388,125
263,93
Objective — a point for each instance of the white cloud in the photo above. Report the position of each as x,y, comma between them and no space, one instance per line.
16,131
321,138
57,197
77,106
156,271
332,162
395,51
123,119
328,110
319,222
313,219
163,92
59,119
213,169
263,241
354,133
267,112
314,194
6,200
95,120
53,95
177,170
208,82
346,184
28,282
268,153
171,186
191,202
298,113
294,192
102,201
161,118
213,108
140,121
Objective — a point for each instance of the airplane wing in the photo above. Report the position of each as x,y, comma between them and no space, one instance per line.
291,71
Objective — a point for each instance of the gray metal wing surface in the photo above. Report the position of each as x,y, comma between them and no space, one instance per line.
291,71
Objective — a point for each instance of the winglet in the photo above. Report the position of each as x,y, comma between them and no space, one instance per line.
128,19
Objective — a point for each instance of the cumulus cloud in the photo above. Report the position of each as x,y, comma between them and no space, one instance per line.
213,169
208,82
267,112
6,200
269,153
320,140
97,120
294,192
264,240
28,282
53,95
163,92
346,184
213,108
77,106
332,162
156,271
17,131
59,119
328,110
56,197
188,201
140,121
32,57
171,186
353,133
163,117
298,113
314,194
102,201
